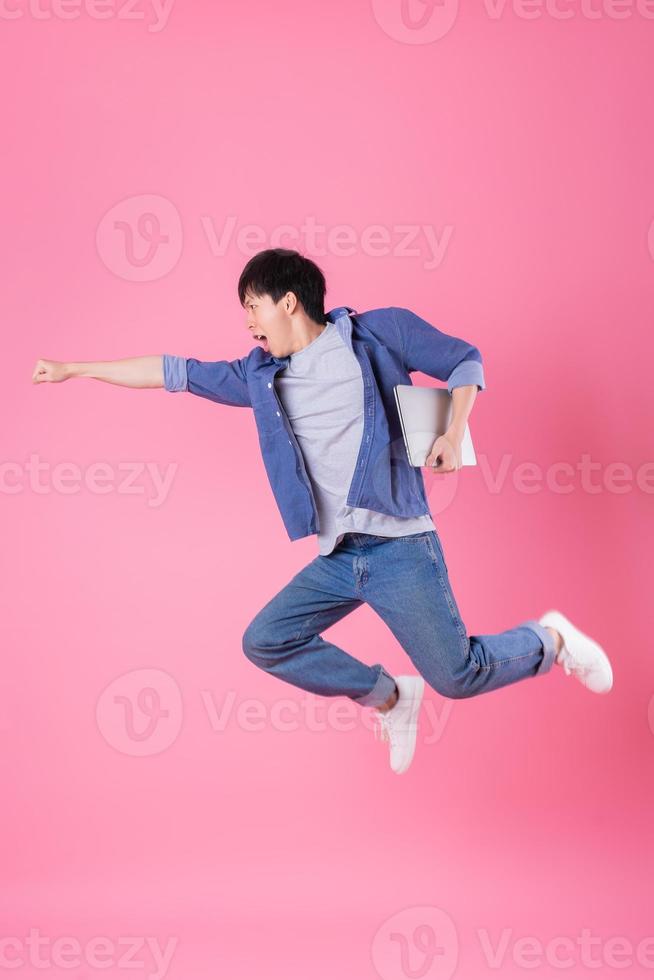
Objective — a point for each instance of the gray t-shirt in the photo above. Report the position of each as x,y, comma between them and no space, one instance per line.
321,390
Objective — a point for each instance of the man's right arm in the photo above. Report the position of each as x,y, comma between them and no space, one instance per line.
131,372
221,381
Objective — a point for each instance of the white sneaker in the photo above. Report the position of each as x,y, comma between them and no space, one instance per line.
580,655
399,725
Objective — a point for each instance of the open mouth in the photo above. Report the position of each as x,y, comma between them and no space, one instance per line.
261,337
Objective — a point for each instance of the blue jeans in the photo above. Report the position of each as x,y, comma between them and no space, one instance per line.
405,581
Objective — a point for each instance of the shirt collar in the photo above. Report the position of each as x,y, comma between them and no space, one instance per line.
339,313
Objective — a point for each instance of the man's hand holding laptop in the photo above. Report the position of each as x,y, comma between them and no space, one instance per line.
445,454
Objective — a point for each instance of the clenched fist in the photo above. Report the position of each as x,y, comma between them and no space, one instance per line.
50,371
445,455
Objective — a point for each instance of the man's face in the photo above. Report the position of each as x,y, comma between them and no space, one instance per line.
270,320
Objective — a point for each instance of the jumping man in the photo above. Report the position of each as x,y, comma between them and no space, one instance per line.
321,389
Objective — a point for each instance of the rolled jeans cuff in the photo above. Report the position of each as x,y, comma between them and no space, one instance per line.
381,692
549,645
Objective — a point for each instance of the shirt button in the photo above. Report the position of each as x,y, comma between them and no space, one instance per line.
270,384
290,443
277,413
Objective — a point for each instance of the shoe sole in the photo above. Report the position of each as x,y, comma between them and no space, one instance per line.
416,701
562,624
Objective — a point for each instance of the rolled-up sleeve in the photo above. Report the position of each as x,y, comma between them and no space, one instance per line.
174,372
467,372
220,381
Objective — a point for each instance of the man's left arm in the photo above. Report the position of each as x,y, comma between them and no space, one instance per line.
426,348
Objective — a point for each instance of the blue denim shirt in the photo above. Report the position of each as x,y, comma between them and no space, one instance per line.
388,343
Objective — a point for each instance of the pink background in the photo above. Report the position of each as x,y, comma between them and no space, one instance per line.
297,853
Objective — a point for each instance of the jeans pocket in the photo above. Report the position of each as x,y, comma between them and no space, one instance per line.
436,549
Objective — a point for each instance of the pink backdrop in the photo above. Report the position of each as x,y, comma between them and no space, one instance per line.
490,169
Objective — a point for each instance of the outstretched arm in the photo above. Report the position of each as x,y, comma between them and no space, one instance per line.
131,372
220,381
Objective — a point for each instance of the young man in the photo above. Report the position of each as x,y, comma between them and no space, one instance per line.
321,388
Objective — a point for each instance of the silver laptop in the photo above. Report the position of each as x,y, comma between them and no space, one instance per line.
425,414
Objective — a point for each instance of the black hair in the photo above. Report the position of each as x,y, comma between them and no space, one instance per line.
277,271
